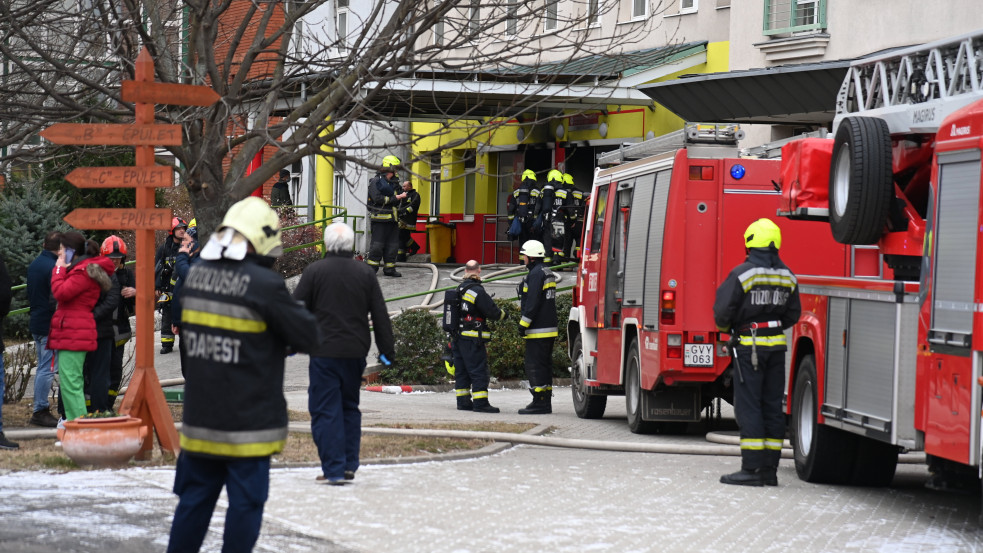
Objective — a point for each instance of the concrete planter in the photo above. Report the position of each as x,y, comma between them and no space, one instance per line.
102,443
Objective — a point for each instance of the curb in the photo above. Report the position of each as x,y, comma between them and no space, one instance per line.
439,388
391,389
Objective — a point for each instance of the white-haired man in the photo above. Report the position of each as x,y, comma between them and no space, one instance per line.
341,293
237,322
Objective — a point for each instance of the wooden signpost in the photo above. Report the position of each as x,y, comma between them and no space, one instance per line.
144,397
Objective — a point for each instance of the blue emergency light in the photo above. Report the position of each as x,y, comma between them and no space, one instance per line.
737,171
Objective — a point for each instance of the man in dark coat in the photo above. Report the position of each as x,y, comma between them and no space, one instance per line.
42,307
341,293
408,209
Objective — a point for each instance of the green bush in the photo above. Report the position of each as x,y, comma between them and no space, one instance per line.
506,349
419,343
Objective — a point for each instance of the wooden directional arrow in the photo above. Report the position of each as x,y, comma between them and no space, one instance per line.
112,219
122,177
104,134
168,93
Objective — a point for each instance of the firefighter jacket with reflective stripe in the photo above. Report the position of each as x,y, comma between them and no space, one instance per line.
164,276
408,209
522,201
382,202
577,202
537,297
561,203
477,308
238,321
759,290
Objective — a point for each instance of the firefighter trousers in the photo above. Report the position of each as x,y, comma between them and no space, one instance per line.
470,365
384,245
539,362
758,407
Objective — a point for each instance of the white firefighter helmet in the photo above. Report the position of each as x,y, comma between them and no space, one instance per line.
249,220
533,248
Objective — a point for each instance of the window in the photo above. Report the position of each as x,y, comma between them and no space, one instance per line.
688,6
784,17
470,174
597,232
639,8
474,20
593,13
512,18
550,23
434,185
342,25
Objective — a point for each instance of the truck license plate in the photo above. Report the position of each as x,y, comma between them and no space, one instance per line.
698,355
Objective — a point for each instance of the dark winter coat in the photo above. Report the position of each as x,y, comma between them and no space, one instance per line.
537,297
382,198
409,207
238,323
105,310
77,288
39,292
127,306
164,264
759,290
342,293
182,266
477,308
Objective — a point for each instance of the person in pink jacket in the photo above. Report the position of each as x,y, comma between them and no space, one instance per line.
76,281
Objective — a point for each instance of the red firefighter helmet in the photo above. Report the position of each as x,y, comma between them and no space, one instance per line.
114,246
177,223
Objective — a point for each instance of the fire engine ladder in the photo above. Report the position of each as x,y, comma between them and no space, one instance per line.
691,133
914,89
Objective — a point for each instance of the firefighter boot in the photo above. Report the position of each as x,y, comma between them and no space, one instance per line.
744,477
541,404
481,404
769,475
464,402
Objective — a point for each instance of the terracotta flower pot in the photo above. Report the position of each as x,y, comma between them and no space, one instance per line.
108,442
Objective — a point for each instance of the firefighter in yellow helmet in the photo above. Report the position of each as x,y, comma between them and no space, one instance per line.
164,279
521,205
573,219
757,301
546,212
238,323
383,204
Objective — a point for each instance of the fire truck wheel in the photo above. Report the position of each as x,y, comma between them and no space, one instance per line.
822,454
876,463
861,184
633,394
585,405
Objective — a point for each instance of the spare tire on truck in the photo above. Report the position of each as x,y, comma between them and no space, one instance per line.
861,182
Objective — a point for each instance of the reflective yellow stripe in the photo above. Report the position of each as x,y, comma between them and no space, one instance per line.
550,284
449,368
223,322
525,322
774,445
776,340
372,263
541,335
755,445
475,334
463,392
480,395
761,276
224,449
543,389
170,340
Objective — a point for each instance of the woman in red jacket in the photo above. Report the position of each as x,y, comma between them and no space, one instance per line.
78,277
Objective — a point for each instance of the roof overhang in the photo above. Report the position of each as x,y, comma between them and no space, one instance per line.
424,99
790,94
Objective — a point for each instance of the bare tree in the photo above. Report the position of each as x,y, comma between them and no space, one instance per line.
285,82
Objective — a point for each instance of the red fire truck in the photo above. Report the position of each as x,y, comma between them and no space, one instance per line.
893,362
661,232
